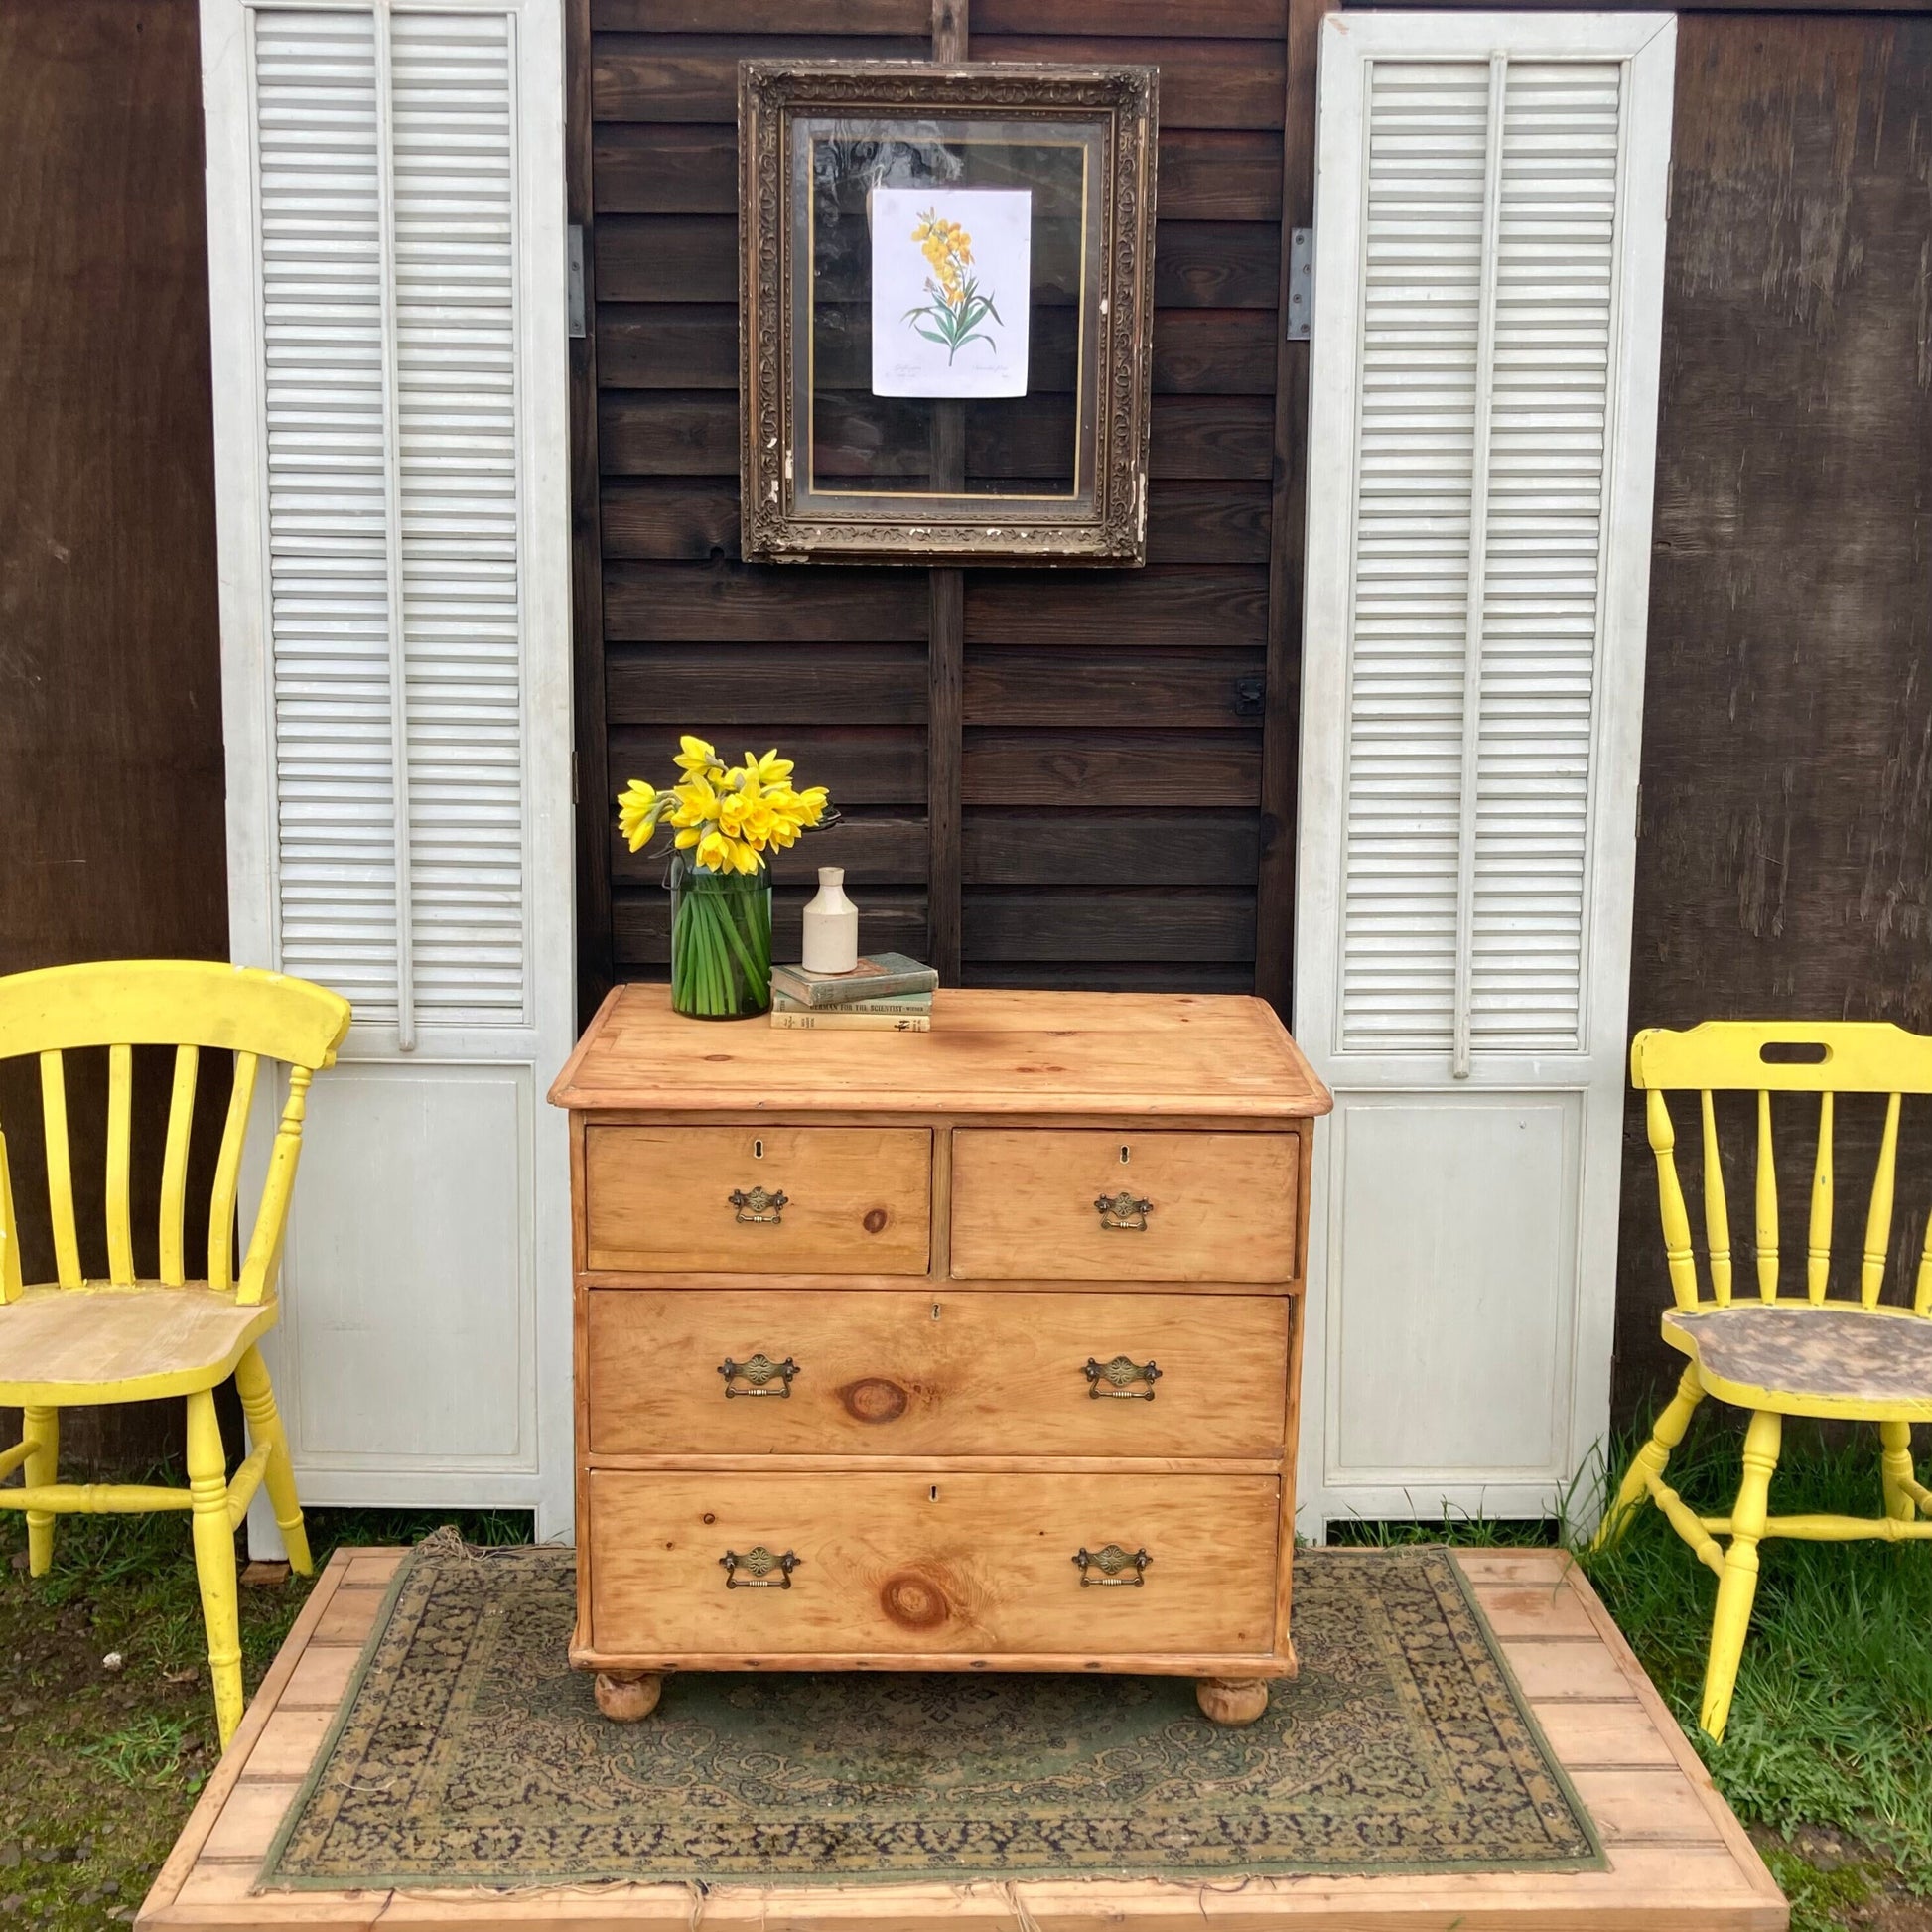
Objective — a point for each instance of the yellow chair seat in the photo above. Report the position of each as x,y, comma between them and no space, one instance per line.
1811,1358
119,1344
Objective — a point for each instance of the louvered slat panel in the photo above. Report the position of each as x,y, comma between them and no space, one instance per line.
1555,261
453,116
1423,260
320,199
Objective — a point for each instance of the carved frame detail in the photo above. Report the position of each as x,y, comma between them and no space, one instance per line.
964,530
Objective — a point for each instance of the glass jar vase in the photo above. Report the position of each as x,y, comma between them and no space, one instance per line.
721,942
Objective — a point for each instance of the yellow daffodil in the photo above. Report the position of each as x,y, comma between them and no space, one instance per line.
638,807
695,757
771,769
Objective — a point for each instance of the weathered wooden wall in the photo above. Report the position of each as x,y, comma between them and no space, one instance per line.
1786,863
1091,707
110,697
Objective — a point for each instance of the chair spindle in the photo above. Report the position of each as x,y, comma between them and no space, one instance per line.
1878,1222
173,1165
120,1159
10,1285
1818,1251
1767,1203
1716,1216
60,1172
1922,1290
227,1176
1670,1202
264,1257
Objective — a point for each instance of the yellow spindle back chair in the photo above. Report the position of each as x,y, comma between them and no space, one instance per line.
1783,1355
74,1341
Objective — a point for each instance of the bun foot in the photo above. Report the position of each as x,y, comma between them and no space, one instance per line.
1231,1700
629,1697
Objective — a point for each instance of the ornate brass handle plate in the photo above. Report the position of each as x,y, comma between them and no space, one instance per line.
1116,1375
757,1204
758,1563
760,1372
1112,1562
1123,1214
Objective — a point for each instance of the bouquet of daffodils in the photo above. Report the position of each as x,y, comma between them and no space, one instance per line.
728,822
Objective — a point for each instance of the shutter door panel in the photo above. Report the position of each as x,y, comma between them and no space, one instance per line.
321,241
1489,283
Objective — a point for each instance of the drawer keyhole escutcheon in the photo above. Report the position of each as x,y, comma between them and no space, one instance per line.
1118,1375
1123,1214
1112,1562
758,1150
758,1563
765,1208
760,1372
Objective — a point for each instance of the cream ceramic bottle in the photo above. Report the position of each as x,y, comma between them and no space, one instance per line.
831,926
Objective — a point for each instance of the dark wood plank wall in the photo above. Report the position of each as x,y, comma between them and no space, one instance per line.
110,670
1786,860
1110,723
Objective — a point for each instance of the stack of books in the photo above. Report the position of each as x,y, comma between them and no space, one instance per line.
888,994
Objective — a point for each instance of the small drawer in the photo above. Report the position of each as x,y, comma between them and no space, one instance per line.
758,1200
771,1567
1038,1203
749,1372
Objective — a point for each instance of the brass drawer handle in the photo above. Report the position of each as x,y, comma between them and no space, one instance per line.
1112,1562
760,1372
759,1205
760,1562
1117,1374
1123,1214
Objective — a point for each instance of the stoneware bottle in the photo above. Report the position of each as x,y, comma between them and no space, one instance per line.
831,926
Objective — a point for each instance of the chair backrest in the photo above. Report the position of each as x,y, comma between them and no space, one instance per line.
189,1005
1768,1056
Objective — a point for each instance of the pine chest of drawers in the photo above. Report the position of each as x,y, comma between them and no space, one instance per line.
974,1349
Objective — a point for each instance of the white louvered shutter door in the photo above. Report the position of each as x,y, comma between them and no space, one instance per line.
1489,243
386,260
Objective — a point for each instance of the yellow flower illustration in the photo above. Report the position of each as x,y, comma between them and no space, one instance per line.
959,307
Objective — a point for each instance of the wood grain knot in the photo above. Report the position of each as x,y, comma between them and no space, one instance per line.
913,1601
875,1221
873,1399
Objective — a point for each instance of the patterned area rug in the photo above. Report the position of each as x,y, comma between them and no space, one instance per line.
469,1752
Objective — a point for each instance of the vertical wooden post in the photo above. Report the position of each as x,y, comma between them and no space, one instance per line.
590,764
945,638
1282,706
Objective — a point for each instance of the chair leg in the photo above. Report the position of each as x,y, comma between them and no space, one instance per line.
278,1478
42,1427
1651,1459
1738,1587
208,1484
1896,1463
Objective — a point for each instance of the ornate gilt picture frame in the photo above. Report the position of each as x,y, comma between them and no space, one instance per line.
945,312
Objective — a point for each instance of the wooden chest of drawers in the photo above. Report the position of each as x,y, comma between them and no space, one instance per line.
974,1349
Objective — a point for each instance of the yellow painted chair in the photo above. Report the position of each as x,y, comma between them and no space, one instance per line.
1779,1356
74,1341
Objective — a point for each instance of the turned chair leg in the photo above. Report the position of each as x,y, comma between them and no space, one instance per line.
278,1478
214,1568
1738,1587
627,1696
1897,1464
1651,1459
42,1427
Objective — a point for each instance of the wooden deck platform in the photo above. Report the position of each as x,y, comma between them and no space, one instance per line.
1678,1859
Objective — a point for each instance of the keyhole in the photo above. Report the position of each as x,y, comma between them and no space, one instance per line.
1123,1156
758,1151
935,1492
935,1311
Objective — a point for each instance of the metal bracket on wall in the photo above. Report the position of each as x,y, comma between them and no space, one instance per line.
1300,283
575,300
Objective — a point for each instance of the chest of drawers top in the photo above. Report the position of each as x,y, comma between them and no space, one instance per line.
1181,1059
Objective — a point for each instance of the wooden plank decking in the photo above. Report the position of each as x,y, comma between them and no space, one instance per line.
1678,1859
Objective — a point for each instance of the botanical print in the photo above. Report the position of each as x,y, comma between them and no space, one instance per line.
950,297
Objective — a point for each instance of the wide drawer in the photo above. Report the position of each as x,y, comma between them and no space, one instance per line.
1040,1203
857,1200
888,1564
716,1371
